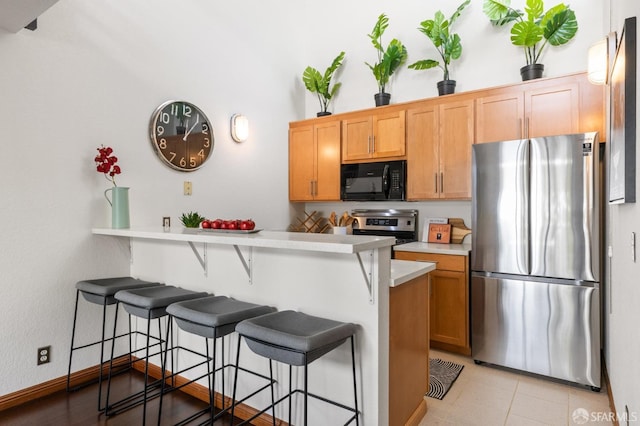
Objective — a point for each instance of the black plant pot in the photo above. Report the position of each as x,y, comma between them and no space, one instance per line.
446,87
323,113
531,71
382,98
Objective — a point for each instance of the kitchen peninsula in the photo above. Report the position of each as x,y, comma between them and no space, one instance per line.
343,277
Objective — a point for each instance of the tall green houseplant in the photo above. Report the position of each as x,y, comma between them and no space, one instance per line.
320,84
534,28
447,44
389,59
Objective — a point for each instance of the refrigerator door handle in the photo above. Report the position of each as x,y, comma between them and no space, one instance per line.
522,209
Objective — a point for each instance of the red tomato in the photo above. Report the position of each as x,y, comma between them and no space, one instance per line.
233,225
224,225
247,225
216,224
206,224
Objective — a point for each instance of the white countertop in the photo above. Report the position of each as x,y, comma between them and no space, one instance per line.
421,247
329,243
403,271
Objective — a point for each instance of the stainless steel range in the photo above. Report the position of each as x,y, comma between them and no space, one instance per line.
401,224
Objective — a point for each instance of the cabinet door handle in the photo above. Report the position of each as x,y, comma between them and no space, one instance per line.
520,128
311,188
373,144
526,128
368,144
441,182
436,182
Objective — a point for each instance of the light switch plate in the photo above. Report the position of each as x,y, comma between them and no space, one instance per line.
188,190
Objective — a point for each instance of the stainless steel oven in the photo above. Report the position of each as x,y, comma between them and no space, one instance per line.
401,224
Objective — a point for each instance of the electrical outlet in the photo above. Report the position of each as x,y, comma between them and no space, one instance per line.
44,355
187,188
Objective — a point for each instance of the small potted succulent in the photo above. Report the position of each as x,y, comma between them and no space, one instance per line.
390,59
533,29
447,44
320,84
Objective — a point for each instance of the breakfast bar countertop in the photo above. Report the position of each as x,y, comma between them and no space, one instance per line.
328,243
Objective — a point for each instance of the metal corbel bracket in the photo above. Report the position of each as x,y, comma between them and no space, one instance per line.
246,263
368,276
201,259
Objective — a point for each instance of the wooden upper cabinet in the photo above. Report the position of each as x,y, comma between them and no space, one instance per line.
423,143
456,139
301,163
327,187
552,111
439,139
499,117
540,108
314,162
373,137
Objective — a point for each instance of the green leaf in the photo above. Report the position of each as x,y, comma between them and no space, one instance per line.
512,15
534,10
496,10
379,28
455,47
561,28
456,14
525,34
312,79
425,64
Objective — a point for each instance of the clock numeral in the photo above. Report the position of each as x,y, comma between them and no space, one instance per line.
163,143
205,128
173,155
160,130
192,162
186,110
164,118
183,162
206,143
201,153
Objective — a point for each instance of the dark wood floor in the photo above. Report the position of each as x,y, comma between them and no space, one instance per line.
80,407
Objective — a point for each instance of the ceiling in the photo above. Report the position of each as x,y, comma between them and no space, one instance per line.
16,14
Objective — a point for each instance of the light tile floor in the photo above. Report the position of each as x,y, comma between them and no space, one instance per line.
490,396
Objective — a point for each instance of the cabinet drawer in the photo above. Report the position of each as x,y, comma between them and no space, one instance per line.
446,262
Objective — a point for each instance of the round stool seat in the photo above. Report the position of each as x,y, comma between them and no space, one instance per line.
293,337
102,290
152,302
211,315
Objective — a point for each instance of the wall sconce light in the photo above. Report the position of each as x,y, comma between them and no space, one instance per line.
239,127
597,63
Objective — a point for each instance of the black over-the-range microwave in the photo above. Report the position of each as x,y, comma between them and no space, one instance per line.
373,181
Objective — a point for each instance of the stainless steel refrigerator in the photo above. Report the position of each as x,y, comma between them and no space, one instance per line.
535,293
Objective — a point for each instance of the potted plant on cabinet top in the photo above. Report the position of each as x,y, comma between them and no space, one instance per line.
320,83
389,59
447,44
556,27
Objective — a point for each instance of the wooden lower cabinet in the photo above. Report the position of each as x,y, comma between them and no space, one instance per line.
448,300
408,351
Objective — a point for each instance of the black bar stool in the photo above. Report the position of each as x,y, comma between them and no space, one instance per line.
295,338
149,303
101,292
212,317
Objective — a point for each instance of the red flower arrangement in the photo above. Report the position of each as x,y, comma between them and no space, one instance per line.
106,163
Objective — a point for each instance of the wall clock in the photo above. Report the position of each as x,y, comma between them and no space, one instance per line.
181,135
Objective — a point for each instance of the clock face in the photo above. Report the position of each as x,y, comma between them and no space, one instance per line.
181,135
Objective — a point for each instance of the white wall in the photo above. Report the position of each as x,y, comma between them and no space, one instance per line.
621,314
94,72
